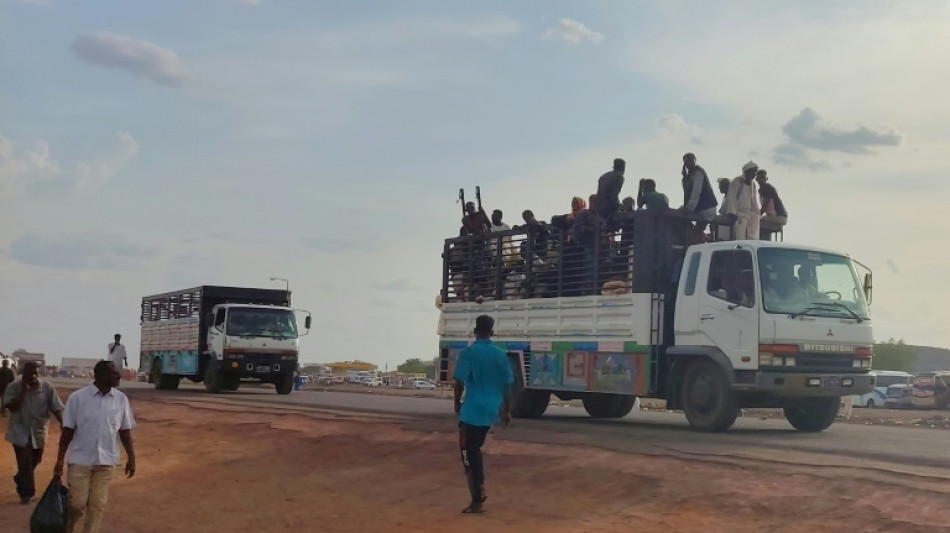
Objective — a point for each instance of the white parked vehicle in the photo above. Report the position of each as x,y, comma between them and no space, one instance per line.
422,385
882,380
373,382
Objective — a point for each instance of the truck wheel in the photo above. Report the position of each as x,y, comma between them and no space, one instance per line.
232,383
813,414
213,382
285,383
601,405
707,399
870,404
155,374
162,381
530,403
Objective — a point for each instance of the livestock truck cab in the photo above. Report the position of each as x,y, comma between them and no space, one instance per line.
221,336
711,328
255,343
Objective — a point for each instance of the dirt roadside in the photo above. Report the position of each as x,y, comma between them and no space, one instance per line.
207,466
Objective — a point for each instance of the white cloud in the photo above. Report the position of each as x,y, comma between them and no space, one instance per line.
137,57
672,124
79,252
35,169
573,32
90,175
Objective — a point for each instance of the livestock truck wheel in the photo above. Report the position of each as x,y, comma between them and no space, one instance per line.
707,399
608,405
213,379
285,383
530,403
812,414
162,381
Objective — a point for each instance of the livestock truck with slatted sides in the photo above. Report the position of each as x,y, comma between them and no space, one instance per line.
221,336
648,309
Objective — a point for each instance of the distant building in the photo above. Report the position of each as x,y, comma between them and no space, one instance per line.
77,366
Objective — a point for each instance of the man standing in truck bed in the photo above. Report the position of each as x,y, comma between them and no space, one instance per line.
483,372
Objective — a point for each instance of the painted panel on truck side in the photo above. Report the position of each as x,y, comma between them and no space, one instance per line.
545,370
618,373
576,370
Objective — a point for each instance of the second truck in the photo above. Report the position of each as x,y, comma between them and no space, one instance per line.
220,336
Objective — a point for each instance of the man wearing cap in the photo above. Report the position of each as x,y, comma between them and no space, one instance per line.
744,204
484,375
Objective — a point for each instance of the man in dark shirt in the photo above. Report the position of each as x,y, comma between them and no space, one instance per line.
608,191
772,208
6,378
476,221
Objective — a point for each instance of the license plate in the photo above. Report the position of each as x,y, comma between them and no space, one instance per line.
263,369
833,381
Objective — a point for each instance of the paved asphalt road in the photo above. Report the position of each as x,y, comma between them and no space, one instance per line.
853,445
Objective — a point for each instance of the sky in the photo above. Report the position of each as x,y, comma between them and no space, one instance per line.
152,146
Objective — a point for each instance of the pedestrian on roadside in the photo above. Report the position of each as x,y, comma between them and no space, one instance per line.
117,353
6,378
484,375
95,419
30,401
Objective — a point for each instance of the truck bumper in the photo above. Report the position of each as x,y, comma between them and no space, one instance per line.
262,367
814,385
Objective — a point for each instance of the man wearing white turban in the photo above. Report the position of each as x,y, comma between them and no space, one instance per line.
743,204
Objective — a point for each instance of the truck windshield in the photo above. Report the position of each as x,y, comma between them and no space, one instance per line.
255,322
810,283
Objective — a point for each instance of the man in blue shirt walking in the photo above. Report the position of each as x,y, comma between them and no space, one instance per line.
483,373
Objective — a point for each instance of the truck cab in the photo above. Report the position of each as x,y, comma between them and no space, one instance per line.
253,342
786,326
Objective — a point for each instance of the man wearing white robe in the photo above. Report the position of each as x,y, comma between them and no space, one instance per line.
743,204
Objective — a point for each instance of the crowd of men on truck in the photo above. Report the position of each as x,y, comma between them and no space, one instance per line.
589,249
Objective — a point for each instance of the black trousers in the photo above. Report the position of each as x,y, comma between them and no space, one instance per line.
471,440
27,459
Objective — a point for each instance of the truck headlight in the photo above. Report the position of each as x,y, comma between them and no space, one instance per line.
789,361
766,359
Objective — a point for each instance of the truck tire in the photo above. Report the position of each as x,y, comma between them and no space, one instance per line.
160,380
232,383
213,381
285,383
707,398
813,414
600,405
530,403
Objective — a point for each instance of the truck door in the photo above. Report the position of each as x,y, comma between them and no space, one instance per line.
728,312
216,332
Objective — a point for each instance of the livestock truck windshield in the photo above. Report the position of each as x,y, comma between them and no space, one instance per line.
256,322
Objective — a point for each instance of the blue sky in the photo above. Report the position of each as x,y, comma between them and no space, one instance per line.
147,146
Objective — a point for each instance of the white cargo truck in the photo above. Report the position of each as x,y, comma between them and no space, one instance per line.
710,327
220,336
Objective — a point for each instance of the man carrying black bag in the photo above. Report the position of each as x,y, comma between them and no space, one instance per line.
51,513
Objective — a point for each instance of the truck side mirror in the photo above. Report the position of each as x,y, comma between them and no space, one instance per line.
868,288
307,321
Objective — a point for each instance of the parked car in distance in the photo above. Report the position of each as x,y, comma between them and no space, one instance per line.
900,396
422,385
373,382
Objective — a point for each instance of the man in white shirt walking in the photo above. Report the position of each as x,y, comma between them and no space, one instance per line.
95,419
117,353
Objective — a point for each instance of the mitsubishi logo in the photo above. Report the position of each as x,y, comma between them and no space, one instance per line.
830,334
